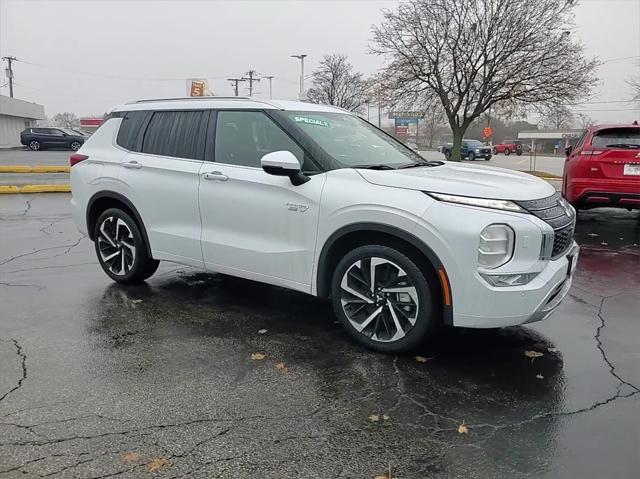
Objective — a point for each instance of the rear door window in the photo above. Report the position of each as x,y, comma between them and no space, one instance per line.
179,134
617,138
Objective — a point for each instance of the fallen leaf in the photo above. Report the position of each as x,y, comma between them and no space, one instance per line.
130,457
533,354
421,359
157,464
374,418
385,476
282,367
462,429
385,417
258,356
553,350
262,331
136,301
539,376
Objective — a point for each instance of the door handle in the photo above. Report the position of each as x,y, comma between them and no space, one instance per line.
215,175
134,165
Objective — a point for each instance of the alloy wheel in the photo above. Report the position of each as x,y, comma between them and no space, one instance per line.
379,299
116,246
75,146
34,145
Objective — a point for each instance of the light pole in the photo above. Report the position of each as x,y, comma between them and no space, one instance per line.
301,57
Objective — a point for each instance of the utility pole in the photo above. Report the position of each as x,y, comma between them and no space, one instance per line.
9,73
252,78
301,57
379,109
270,78
235,83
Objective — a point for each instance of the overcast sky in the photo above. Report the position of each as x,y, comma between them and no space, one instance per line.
86,56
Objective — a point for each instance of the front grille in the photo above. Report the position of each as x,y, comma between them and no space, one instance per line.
562,219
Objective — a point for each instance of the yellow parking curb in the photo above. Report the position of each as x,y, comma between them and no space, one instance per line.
9,189
34,169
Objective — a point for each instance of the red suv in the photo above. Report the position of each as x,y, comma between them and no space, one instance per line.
507,147
603,169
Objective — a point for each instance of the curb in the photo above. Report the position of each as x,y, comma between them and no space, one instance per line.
34,169
13,189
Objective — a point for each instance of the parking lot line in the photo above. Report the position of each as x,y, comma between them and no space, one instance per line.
34,169
14,189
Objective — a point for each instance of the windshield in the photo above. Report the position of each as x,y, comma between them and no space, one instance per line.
474,143
70,132
617,137
352,141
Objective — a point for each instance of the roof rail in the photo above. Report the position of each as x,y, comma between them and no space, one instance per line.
194,98
203,98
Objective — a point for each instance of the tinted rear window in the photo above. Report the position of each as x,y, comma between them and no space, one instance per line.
622,137
130,128
180,134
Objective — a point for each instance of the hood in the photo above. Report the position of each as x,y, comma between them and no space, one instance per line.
465,180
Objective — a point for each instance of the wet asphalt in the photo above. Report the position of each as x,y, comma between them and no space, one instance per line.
99,380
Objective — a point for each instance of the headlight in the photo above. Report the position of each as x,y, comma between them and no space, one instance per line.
505,205
477,150
496,246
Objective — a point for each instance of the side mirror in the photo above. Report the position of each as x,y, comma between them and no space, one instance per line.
568,150
284,163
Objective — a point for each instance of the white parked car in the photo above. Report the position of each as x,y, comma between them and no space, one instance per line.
315,199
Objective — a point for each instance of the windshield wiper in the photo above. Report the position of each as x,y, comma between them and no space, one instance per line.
623,145
421,163
375,167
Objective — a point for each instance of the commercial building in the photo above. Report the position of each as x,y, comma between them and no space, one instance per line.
15,116
90,124
551,141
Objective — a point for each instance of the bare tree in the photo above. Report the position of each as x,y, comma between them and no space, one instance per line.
335,83
66,120
634,83
585,121
473,55
557,117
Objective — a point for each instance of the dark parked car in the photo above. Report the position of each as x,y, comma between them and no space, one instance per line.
470,150
40,138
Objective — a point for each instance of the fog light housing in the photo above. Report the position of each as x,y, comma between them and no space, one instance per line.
496,246
504,280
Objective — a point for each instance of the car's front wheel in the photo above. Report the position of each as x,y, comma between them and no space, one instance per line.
383,299
472,156
34,145
121,249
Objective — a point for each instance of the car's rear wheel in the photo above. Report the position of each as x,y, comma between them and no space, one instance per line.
507,151
75,145
121,249
34,145
495,151
383,299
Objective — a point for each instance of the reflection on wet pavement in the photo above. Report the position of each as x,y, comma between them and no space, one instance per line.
101,380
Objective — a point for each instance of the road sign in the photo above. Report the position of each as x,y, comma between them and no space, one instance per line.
487,132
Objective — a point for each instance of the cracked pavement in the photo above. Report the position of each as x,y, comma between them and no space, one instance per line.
99,380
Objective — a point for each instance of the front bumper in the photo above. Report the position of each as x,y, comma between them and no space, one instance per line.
533,302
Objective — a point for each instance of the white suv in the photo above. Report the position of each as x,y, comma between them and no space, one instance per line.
313,198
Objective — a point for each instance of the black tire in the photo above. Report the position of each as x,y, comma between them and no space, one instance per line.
519,151
75,145
472,156
425,316
447,155
507,151
495,151
35,145
487,158
138,265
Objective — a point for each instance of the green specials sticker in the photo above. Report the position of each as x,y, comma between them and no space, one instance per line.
311,121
